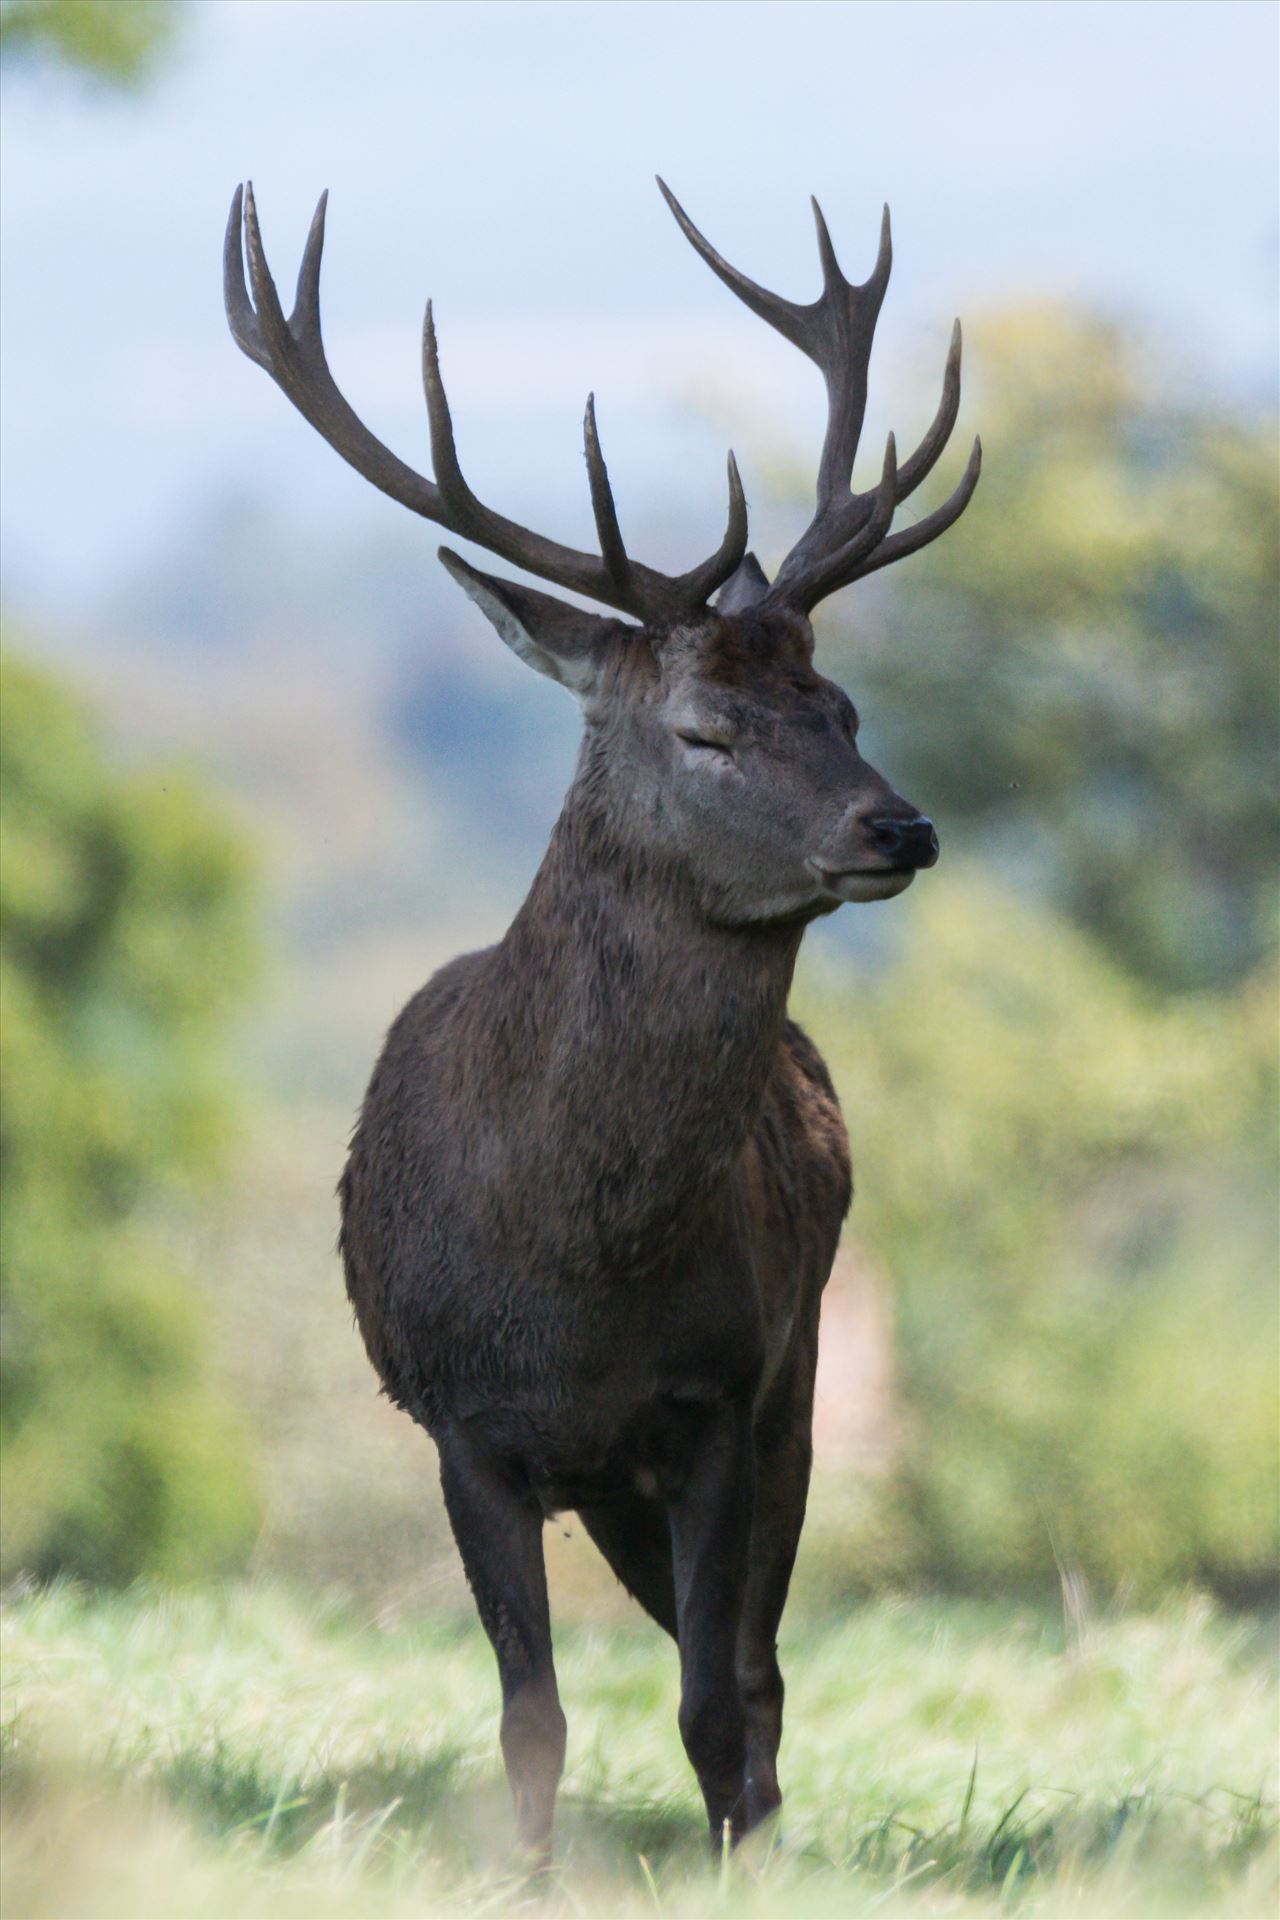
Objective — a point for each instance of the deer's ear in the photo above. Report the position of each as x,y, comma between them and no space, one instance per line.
561,641
746,586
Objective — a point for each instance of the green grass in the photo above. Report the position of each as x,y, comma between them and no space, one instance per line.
241,1753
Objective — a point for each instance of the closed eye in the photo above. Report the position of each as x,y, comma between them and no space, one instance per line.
703,743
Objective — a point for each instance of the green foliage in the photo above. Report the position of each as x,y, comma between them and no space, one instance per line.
235,1753
1081,676
125,945
115,40
1060,1089
1068,1182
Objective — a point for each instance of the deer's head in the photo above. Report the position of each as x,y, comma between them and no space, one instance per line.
711,739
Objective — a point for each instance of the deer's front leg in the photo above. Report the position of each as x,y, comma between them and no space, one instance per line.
498,1528
710,1534
783,1462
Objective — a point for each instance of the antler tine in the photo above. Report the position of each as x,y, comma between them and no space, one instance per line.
304,321
273,329
846,316
609,532
911,539
786,315
922,461
444,448
696,588
241,317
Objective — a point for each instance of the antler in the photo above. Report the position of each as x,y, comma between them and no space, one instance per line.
849,533
292,352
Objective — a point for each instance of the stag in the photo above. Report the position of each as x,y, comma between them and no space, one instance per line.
598,1178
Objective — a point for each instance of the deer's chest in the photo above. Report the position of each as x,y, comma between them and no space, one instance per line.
608,1433
593,1392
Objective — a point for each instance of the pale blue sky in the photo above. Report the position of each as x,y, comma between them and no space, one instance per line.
500,156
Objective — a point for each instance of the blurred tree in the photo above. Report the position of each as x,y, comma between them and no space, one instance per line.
1082,676
1070,1183
116,40
124,943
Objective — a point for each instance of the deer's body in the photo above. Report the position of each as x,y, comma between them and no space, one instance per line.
598,1179
598,1176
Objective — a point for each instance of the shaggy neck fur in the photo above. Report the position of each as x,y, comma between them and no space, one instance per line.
642,1036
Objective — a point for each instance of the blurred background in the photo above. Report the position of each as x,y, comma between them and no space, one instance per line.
264,769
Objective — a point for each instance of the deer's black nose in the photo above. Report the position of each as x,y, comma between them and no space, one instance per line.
908,843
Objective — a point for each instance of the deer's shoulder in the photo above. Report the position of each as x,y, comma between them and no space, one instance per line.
797,1173
803,1086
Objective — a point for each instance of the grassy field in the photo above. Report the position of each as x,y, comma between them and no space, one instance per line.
241,1754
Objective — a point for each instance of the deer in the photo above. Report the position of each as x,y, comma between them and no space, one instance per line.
598,1179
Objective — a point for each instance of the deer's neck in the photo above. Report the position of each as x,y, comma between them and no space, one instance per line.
641,1038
